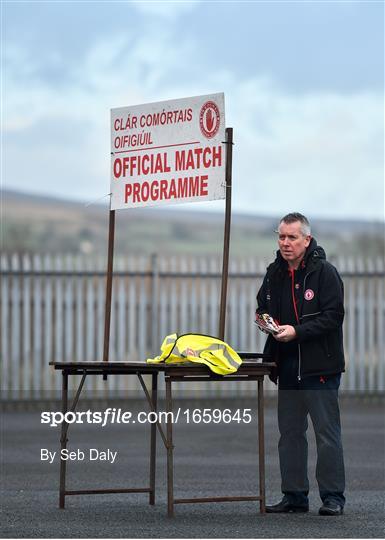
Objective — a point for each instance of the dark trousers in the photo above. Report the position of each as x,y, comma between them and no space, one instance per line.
296,401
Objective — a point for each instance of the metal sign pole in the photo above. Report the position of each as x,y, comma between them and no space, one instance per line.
107,315
226,242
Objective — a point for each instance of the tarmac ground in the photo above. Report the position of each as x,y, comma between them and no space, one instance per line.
209,460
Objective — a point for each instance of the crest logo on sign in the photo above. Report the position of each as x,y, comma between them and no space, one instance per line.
309,294
209,119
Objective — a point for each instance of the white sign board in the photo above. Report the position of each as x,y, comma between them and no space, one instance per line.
168,152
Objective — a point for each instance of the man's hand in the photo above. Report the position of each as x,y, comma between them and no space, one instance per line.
286,333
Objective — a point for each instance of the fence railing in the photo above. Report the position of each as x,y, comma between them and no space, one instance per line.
52,309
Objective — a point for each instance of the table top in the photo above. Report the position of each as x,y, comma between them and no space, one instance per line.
247,368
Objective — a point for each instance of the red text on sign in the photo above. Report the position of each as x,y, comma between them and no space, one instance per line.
196,158
141,165
158,190
145,164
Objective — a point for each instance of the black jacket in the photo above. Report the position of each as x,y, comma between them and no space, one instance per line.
320,310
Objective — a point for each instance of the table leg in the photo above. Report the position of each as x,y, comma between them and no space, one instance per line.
154,398
170,448
63,440
261,447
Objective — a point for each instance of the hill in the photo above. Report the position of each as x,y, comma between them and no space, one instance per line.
32,223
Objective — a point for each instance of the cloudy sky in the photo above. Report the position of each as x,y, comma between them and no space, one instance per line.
303,84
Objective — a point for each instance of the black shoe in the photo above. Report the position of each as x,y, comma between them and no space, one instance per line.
331,508
284,507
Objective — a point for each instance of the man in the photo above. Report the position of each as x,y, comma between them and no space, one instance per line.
304,293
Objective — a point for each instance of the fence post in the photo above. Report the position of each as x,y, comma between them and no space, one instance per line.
16,365
37,361
380,300
154,304
48,371
351,325
362,327
26,326
370,291
5,303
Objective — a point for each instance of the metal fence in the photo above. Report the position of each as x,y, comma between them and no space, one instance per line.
53,309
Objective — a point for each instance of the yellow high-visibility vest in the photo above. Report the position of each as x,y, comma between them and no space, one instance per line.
201,349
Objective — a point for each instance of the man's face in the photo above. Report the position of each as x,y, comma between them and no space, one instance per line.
292,243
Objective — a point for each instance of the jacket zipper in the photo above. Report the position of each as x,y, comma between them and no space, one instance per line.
299,346
311,314
299,362
297,319
293,296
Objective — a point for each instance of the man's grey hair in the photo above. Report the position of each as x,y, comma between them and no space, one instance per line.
296,216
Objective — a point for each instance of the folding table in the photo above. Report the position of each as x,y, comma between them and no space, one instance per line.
249,370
